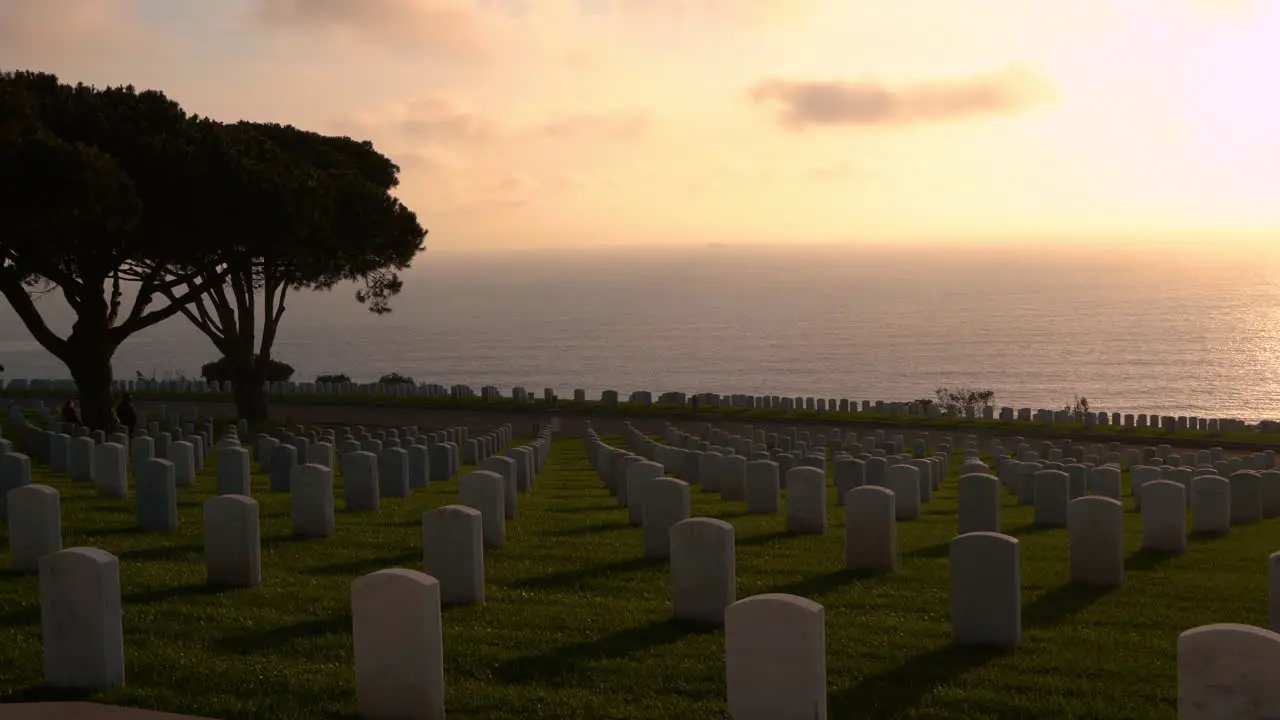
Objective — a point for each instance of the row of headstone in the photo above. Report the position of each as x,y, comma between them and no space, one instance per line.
80,587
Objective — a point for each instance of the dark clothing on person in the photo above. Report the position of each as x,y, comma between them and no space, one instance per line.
126,415
69,414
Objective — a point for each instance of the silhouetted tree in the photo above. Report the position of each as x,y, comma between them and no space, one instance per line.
101,189
223,370
325,216
959,400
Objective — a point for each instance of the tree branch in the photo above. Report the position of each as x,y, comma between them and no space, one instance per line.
139,320
13,290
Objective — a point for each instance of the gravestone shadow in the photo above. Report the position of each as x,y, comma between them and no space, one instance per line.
170,593
368,565
563,662
937,550
820,584
590,529
893,692
584,574
275,639
1147,559
45,693
1032,529
163,553
1060,604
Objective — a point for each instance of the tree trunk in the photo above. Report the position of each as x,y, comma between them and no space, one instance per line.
90,366
247,381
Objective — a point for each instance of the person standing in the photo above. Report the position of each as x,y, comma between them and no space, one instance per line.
125,414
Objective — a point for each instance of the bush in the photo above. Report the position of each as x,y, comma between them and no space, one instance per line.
220,370
396,379
337,379
958,401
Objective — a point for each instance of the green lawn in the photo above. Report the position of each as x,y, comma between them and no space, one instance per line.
577,623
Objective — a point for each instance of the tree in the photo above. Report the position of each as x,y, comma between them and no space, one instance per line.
395,378
335,378
101,190
325,216
222,370
958,401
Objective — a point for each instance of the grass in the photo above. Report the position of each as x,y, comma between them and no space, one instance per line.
577,624
1245,438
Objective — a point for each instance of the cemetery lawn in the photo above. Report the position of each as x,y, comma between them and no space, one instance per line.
577,623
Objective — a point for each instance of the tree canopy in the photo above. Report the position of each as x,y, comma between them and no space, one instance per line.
102,188
329,218
106,187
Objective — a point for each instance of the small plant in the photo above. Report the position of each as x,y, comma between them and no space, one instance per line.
395,378
958,401
1081,406
221,370
336,379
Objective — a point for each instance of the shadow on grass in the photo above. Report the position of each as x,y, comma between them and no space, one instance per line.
606,503
275,639
1146,559
734,514
368,565
126,530
289,539
590,529
1202,537
937,550
895,691
819,584
766,538
584,574
170,593
164,552
563,662
47,693
1058,605
1032,529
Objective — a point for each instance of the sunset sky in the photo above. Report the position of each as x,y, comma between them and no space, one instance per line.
562,123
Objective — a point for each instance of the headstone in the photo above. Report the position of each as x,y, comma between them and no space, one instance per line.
505,468
419,466
311,501
904,481
806,500
1095,526
776,658
1227,671
483,490
360,481
80,457
1211,504
80,618
399,645
15,472
284,458
986,590
110,470
393,473
1246,498
666,502
703,571
763,487
157,496
35,525
979,505
232,544
233,471
1050,497
871,530
453,552
1164,516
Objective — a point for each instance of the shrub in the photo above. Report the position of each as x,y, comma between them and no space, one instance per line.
958,400
336,379
221,371
395,378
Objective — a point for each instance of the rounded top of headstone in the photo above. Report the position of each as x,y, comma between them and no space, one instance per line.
776,601
456,510
230,499
984,538
396,576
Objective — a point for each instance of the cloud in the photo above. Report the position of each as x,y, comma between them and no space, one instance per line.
47,32
869,102
447,26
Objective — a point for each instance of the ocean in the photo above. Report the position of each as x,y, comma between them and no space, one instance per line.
1138,331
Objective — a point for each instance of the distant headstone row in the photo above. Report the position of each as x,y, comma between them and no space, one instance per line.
1128,421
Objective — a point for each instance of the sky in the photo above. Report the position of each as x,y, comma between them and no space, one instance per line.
599,123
